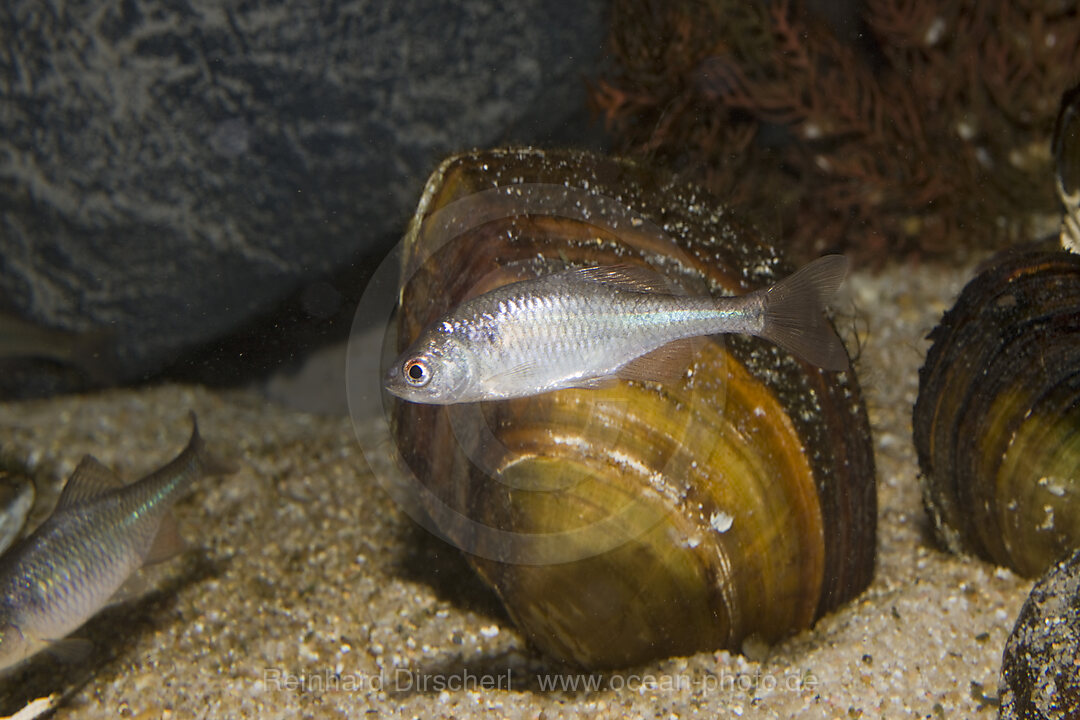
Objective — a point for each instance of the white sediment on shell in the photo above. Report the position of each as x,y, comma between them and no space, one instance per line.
720,521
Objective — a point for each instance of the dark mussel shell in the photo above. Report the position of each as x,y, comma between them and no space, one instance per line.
647,519
997,420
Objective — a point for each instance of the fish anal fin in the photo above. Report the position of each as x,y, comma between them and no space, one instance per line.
667,363
167,543
90,480
632,278
69,650
134,587
596,383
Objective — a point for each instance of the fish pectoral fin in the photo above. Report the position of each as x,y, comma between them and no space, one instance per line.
629,277
90,479
513,375
167,543
69,649
667,363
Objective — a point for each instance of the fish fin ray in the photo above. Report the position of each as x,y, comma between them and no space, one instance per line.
134,587
632,278
514,374
69,650
595,383
91,479
665,364
795,313
167,543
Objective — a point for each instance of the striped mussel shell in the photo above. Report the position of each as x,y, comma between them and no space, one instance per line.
645,519
997,419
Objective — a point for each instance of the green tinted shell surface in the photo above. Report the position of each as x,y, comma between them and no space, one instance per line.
645,519
997,420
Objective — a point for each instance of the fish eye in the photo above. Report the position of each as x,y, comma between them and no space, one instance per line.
416,372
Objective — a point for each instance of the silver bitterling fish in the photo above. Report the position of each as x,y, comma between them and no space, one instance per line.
92,351
580,328
101,532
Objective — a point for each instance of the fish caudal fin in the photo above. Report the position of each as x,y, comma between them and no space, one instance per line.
795,313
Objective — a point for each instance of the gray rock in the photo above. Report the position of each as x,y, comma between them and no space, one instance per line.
1039,676
169,169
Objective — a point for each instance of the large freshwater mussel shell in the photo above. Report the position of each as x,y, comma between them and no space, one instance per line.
997,419
644,519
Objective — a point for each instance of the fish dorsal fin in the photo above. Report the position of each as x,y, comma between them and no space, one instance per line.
632,278
90,480
667,363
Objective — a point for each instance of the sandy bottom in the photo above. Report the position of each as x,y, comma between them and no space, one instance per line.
308,593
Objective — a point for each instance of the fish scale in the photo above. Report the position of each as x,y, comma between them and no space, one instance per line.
73,568
621,323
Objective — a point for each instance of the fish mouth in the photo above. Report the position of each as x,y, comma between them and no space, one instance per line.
392,381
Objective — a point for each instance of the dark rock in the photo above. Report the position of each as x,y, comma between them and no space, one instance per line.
1039,673
169,169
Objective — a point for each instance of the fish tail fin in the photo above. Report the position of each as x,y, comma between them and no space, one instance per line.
795,313
209,462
